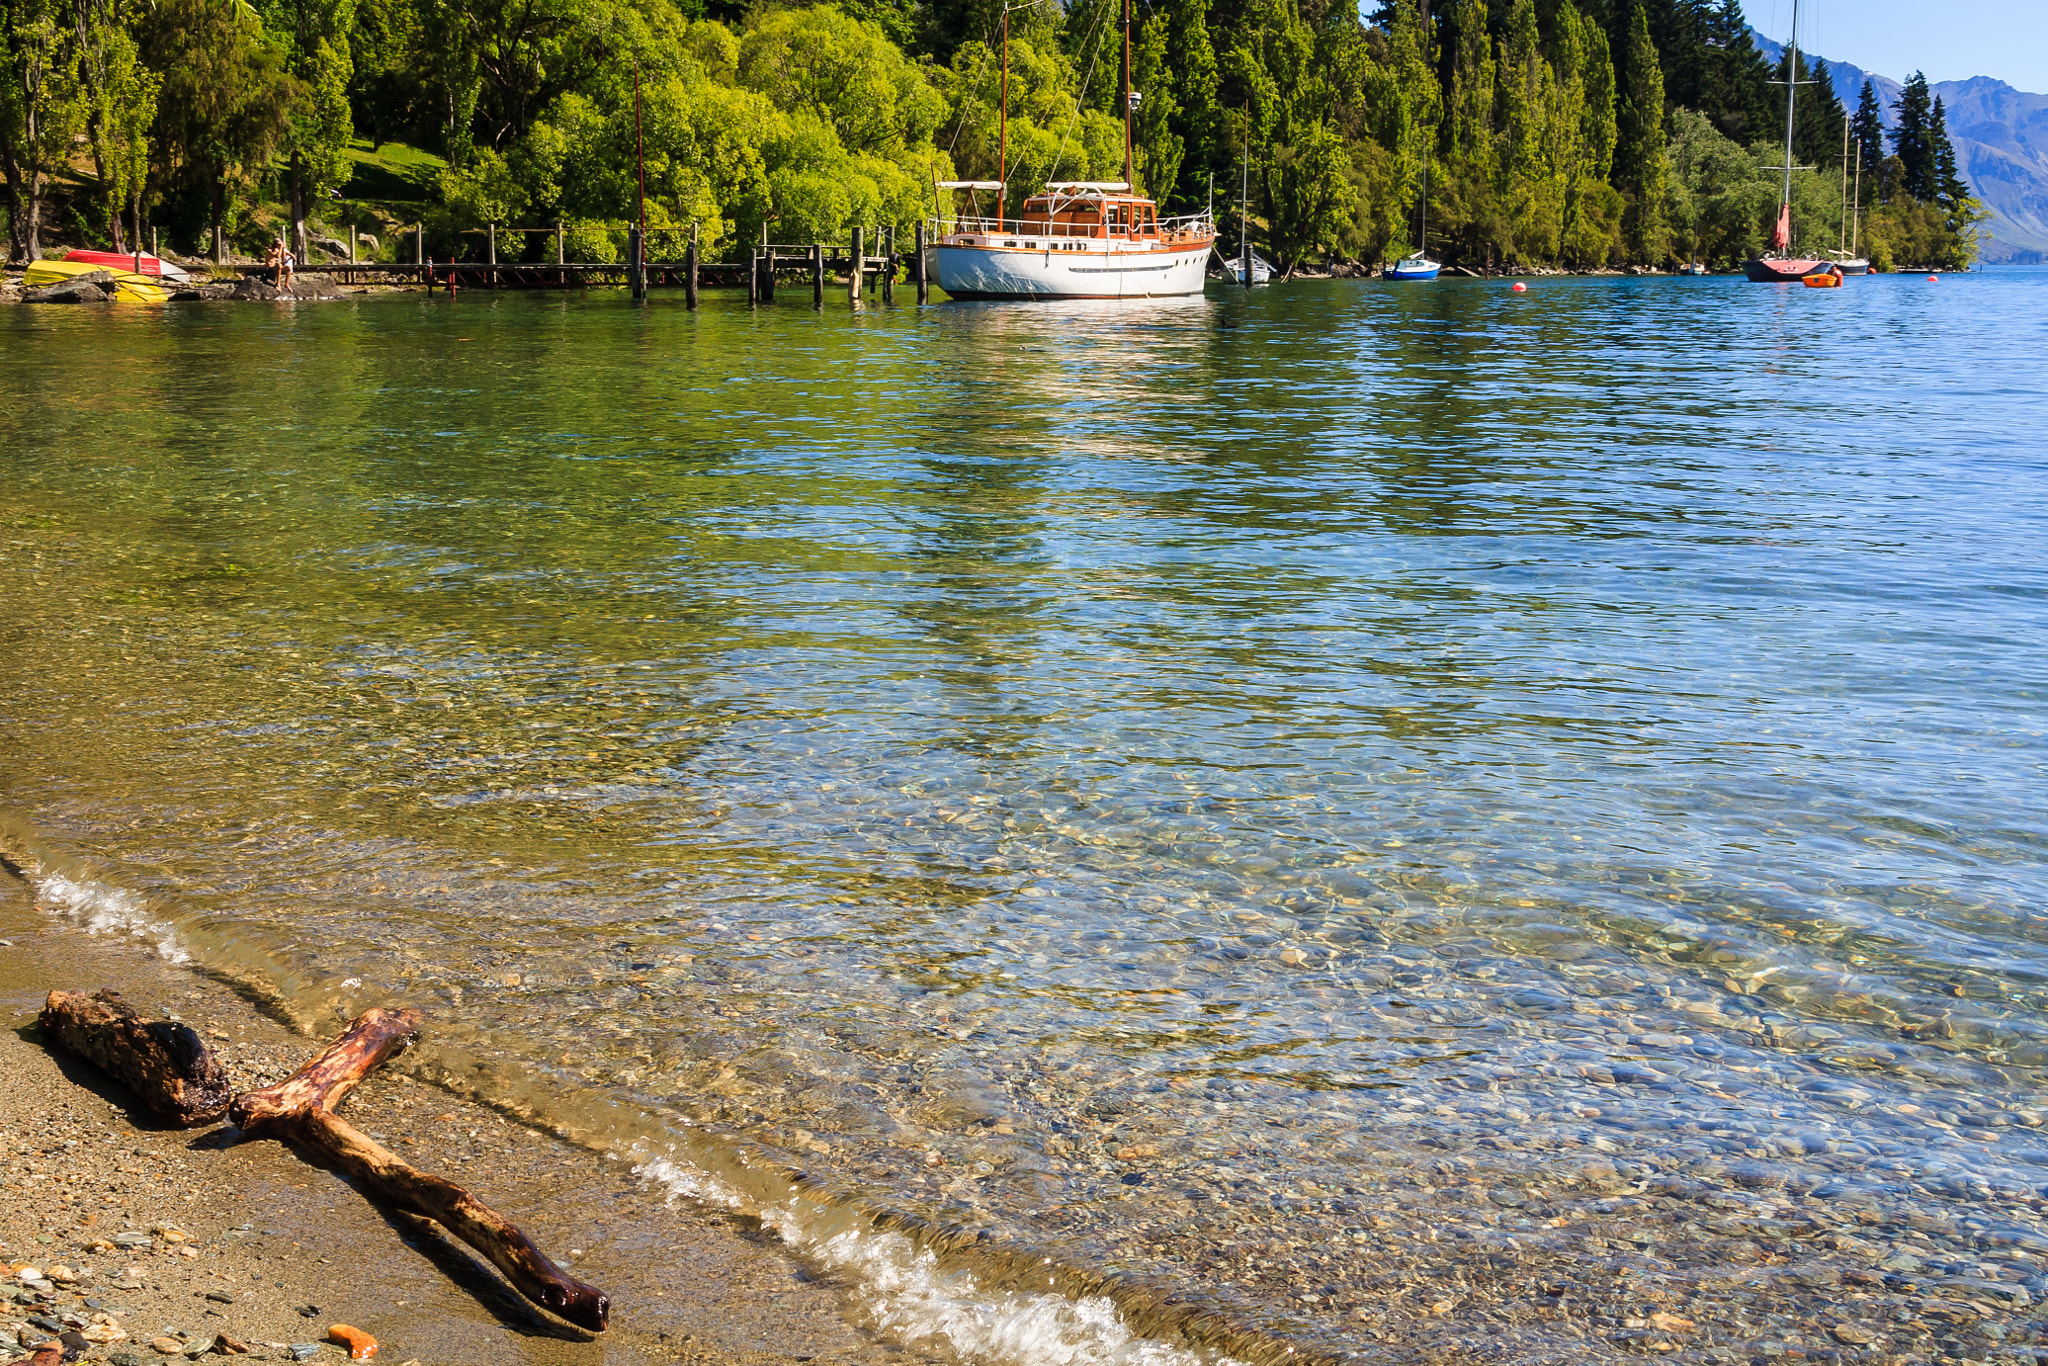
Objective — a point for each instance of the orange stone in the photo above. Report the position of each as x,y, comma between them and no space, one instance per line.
361,1346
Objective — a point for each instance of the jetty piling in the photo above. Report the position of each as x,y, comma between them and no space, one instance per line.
492,245
690,270
924,293
889,270
853,269
817,275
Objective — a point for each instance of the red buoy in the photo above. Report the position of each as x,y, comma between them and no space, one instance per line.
1934,279
1521,288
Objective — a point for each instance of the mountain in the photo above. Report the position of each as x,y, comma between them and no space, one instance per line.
2001,141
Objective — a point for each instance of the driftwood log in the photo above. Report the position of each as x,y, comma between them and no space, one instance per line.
300,1110
166,1064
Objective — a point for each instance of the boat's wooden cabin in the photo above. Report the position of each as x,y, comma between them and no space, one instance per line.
1069,216
1104,209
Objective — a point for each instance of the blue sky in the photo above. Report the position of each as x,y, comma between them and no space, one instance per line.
1950,41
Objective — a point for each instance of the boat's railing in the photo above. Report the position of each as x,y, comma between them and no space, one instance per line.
1185,228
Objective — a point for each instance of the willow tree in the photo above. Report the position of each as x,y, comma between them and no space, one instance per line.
38,112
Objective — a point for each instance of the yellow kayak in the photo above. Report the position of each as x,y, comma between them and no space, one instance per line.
148,289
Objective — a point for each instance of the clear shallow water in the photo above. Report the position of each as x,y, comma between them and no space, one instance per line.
1342,807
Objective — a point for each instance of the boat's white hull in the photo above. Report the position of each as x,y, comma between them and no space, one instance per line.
1048,273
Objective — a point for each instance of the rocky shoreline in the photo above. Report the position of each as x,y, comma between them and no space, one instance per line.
148,1244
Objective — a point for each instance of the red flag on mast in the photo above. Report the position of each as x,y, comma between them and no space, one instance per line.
1781,236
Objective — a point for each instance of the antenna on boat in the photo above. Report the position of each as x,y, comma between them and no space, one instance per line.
1003,138
1130,99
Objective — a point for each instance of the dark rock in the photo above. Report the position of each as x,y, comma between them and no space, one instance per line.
95,286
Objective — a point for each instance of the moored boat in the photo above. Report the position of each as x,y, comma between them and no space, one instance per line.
1416,267
1777,265
1233,269
1770,269
1077,240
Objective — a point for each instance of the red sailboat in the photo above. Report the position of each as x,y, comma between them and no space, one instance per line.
1775,265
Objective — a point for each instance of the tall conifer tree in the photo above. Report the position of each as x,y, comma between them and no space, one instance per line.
1913,115
1867,128
1639,170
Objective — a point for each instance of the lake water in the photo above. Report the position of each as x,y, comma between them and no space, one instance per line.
1380,820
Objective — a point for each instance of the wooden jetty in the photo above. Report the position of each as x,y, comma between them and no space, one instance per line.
770,265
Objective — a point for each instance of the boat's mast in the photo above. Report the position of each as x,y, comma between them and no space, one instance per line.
1129,179
1856,202
1842,232
1791,92
1244,208
1003,137
1422,210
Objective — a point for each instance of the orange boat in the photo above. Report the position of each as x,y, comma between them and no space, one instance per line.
1827,279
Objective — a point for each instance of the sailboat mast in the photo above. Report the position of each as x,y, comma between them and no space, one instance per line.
1003,138
1856,202
1791,92
1244,208
1842,232
1129,179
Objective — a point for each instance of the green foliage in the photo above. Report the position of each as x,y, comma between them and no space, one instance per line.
1639,146
1573,131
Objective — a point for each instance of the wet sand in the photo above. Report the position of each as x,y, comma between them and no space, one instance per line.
262,1236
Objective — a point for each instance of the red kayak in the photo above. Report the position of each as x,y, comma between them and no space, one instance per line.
129,261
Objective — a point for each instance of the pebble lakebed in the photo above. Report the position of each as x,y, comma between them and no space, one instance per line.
1433,853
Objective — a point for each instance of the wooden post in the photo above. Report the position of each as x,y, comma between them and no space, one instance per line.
561,244
419,244
817,275
859,260
690,270
493,246
354,231
924,290
753,276
889,270
152,242
636,268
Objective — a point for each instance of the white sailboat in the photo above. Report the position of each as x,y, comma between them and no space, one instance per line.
1078,239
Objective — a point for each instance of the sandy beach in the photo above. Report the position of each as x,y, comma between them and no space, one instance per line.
245,1242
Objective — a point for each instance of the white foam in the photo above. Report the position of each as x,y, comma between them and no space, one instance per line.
101,909
905,1294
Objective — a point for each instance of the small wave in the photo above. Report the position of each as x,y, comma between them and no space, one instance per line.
96,907
906,1294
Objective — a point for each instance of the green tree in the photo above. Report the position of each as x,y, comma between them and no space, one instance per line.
1159,149
1913,140
38,112
1639,147
1466,196
1585,138
221,111
116,103
1866,131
